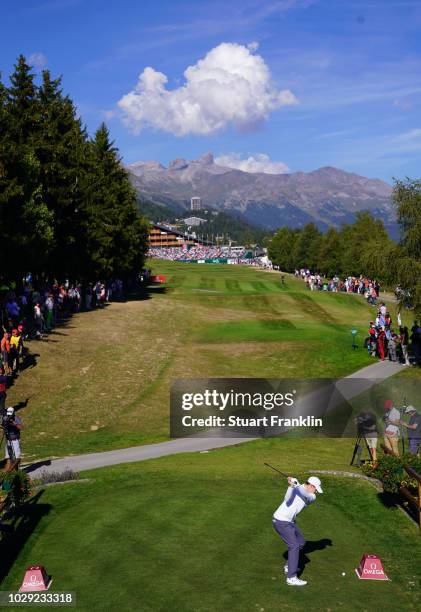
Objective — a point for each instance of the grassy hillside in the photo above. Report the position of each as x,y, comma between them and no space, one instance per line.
103,381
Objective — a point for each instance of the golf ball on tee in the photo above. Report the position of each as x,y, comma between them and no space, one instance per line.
343,573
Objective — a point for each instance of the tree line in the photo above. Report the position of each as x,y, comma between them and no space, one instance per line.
67,208
363,247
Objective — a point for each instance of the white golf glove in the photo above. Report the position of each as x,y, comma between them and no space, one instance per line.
293,482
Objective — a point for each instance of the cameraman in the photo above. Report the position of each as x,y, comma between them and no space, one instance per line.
367,429
414,429
12,425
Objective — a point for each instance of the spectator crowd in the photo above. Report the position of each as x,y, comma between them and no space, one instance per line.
194,253
383,340
33,312
369,288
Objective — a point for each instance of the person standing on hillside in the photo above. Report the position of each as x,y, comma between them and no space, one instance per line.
5,350
391,432
49,312
296,498
416,342
381,341
404,340
414,429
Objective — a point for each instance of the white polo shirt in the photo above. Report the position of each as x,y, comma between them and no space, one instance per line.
296,498
393,430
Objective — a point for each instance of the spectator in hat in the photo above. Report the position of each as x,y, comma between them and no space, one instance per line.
414,429
15,349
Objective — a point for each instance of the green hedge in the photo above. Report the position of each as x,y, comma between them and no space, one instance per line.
390,471
18,486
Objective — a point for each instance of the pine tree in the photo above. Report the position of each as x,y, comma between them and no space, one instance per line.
27,222
282,247
307,247
329,254
407,259
117,235
61,147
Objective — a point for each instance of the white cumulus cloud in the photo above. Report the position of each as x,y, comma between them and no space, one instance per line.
230,86
37,60
254,163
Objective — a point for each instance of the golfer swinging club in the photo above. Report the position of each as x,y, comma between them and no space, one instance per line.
296,498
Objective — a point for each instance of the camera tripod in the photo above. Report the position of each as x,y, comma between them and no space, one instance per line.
358,449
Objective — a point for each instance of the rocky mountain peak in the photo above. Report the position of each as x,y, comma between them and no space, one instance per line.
206,160
178,164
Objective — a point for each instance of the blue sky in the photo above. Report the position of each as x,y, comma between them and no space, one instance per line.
325,82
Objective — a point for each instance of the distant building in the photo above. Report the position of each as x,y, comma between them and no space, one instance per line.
196,203
194,221
162,236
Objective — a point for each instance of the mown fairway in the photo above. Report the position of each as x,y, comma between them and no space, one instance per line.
194,532
103,380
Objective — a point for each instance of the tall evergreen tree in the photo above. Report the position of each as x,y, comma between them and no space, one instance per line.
62,148
282,247
407,260
307,247
329,255
27,222
117,235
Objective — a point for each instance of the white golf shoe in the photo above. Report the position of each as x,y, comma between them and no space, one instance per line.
294,581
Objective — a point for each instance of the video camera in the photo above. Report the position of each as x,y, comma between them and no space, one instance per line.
7,422
366,423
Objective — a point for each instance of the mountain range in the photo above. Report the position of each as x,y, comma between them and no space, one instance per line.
327,196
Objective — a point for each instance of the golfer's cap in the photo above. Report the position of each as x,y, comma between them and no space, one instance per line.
10,410
410,409
313,480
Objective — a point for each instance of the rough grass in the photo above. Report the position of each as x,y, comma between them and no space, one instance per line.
103,380
194,532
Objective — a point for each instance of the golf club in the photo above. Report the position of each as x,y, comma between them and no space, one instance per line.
276,470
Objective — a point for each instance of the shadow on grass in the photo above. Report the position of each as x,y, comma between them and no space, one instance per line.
18,530
29,359
310,547
393,500
145,293
34,466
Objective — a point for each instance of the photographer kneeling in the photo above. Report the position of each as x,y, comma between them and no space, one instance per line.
12,425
